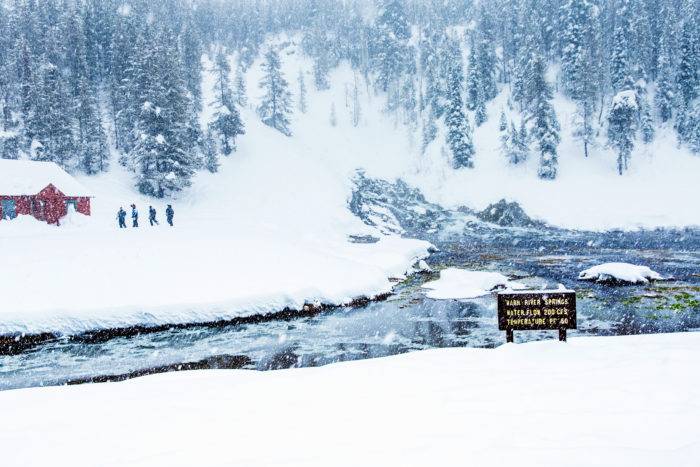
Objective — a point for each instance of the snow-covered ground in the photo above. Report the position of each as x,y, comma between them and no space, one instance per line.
603,401
459,283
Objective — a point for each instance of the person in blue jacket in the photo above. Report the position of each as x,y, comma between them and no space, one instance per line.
134,216
169,214
121,217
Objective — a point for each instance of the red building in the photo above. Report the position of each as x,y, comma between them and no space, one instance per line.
39,189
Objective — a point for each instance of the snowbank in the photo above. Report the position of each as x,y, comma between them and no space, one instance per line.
619,272
603,401
459,283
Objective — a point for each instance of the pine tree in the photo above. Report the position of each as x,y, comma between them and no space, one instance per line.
663,99
621,127
227,122
94,153
211,157
302,93
241,96
620,67
163,157
577,66
546,125
321,70
502,121
429,131
390,43
459,137
54,138
275,108
355,109
644,115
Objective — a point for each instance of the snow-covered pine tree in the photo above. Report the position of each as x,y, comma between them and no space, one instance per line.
476,96
505,137
408,100
275,107
502,121
125,67
621,77
355,108
663,99
94,153
514,144
54,120
227,122
321,70
644,114
191,53
211,157
459,136
686,80
392,32
240,92
621,126
429,132
302,93
577,65
164,156
546,126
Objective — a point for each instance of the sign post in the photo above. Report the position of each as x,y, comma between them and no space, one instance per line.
536,310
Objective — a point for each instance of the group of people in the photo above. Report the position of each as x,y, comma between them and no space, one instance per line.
121,216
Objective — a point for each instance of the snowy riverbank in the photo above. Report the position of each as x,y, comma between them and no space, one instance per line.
605,401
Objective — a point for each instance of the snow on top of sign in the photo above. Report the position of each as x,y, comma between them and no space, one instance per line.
623,272
459,283
30,177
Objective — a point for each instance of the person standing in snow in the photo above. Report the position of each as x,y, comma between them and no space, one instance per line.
121,217
169,213
152,216
134,216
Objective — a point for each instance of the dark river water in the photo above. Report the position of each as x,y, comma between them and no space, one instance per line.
408,320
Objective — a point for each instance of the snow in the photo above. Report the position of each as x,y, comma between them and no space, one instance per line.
604,401
626,98
18,177
457,283
623,272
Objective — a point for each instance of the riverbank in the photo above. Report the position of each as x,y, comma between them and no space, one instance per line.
605,401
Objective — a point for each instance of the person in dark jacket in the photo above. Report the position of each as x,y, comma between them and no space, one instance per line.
152,216
121,217
134,216
169,213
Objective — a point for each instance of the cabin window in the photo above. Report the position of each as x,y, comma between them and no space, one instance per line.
9,210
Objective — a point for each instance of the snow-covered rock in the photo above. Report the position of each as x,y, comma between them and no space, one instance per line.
620,273
457,283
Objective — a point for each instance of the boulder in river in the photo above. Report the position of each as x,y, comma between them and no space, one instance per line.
507,214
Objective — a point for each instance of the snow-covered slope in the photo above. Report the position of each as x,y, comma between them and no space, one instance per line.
603,401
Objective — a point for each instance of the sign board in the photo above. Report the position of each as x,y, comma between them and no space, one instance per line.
536,310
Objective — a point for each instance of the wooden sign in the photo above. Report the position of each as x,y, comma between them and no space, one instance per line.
536,310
